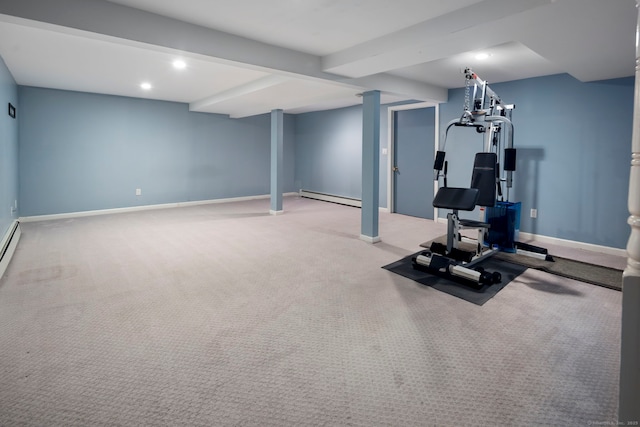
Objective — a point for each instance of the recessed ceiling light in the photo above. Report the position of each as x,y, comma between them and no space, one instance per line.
179,64
146,86
482,56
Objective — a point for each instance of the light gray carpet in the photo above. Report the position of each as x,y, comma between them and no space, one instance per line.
222,315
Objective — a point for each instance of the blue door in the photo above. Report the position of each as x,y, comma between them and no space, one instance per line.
414,139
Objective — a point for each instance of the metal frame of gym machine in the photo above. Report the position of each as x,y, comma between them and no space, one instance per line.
484,111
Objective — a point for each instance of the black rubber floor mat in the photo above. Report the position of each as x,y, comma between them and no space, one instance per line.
477,296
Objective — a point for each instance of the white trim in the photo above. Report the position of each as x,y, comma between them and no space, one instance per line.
370,239
385,210
436,144
573,244
331,198
143,208
391,144
414,106
390,154
272,212
10,241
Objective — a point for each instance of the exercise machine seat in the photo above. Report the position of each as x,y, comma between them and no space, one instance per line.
482,191
464,199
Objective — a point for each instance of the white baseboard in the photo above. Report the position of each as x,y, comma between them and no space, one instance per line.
565,243
142,208
8,245
573,244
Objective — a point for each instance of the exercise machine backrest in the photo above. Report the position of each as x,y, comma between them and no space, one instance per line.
482,191
484,178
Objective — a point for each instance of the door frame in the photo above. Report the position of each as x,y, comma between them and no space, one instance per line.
391,144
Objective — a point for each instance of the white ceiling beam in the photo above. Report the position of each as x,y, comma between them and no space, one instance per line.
292,95
403,87
114,21
111,19
422,42
245,89
388,84
568,51
252,110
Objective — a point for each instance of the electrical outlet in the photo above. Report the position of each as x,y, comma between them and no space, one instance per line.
138,192
534,213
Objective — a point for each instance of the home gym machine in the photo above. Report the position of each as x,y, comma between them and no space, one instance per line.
486,113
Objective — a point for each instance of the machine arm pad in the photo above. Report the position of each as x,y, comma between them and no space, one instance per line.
510,159
438,164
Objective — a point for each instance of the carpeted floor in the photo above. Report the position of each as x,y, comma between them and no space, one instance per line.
222,315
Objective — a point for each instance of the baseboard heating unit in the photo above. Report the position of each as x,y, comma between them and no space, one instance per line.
9,244
331,198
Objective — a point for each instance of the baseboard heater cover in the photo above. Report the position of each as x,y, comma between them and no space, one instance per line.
9,244
331,198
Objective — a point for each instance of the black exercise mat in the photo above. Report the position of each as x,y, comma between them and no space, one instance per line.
477,296
577,270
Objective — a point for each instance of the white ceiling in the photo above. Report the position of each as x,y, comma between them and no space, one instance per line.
247,57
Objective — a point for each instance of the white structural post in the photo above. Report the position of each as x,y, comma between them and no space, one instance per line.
629,406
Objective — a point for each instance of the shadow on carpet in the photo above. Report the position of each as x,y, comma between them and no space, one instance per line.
577,270
477,296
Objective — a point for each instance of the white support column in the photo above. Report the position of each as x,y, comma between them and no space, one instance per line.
629,404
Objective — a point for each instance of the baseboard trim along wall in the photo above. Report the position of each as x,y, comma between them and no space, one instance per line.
143,208
573,244
8,246
566,243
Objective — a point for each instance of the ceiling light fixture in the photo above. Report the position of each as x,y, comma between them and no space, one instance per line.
179,64
482,56
146,86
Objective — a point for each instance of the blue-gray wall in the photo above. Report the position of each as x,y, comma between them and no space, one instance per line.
81,152
574,145
8,148
329,152
573,140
